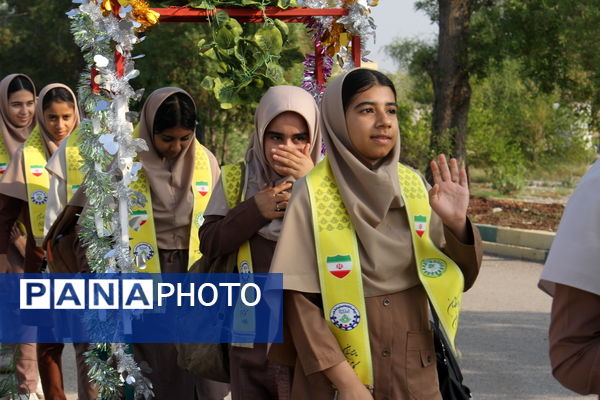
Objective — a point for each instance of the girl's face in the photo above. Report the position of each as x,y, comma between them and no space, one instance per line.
372,124
59,120
289,129
21,106
170,142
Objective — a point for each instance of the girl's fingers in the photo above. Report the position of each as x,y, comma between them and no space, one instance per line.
444,170
435,171
454,173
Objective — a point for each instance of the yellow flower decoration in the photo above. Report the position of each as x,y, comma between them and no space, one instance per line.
141,12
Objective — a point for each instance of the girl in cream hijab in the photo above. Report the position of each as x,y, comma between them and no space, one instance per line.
57,116
284,147
363,144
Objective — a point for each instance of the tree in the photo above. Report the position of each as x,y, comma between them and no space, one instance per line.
35,39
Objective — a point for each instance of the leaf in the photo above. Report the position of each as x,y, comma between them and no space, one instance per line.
269,39
225,38
234,27
221,17
284,3
208,83
275,71
283,28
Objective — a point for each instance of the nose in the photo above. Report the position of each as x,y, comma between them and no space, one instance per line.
384,119
175,147
288,141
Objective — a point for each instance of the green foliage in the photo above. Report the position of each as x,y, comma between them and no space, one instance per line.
414,121
246,57
515,128
225,132
35,39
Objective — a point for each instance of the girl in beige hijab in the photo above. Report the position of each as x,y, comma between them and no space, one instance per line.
167,124
285,146
572,277
17,107
57,116
363,144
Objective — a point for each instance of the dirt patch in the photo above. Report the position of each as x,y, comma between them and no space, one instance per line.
515,214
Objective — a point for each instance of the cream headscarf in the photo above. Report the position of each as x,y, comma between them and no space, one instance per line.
375,206
276,100
170,180
573,258
13,183
12,135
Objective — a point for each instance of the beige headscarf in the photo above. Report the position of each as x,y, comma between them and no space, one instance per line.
573,258
12,135
374,203
276,100
13,183
170,180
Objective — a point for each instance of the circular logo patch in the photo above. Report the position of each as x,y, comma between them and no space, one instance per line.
244,267
345,316
433,267
200,219
144,249
39,197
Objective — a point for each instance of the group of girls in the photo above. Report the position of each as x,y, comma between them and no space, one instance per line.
277,212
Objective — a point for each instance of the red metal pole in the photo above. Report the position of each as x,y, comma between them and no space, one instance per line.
320,75
356,50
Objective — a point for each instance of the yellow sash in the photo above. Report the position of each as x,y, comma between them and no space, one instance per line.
339,265
244,318
4,156
142,232
38,182
74,163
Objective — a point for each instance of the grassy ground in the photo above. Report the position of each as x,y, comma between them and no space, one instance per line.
547,185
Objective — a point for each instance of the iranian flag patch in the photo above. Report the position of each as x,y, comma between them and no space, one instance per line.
37,170
339,266
202,187
420,224
3,167
138,218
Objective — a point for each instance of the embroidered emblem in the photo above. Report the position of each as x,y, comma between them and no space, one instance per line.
143,249
420,224
345,316
433,267
138,218
244,267
74,188
39,197
339,265
37,170
200,219
3,167
202,187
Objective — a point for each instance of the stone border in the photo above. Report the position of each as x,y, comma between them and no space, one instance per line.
517,243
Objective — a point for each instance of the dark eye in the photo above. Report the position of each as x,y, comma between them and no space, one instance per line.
301,138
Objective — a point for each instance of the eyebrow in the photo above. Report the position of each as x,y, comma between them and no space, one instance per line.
372,103
281,133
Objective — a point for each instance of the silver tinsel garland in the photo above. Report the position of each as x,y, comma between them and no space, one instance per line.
108,150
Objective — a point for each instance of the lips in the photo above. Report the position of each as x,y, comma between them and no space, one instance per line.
381,138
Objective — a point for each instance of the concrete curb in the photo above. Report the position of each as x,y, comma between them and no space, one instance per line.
517,243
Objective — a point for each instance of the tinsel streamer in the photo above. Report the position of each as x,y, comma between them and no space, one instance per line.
106,33
333,33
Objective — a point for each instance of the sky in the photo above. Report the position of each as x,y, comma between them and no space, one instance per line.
397,18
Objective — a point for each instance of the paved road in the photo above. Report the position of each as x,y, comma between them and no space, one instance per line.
502,336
